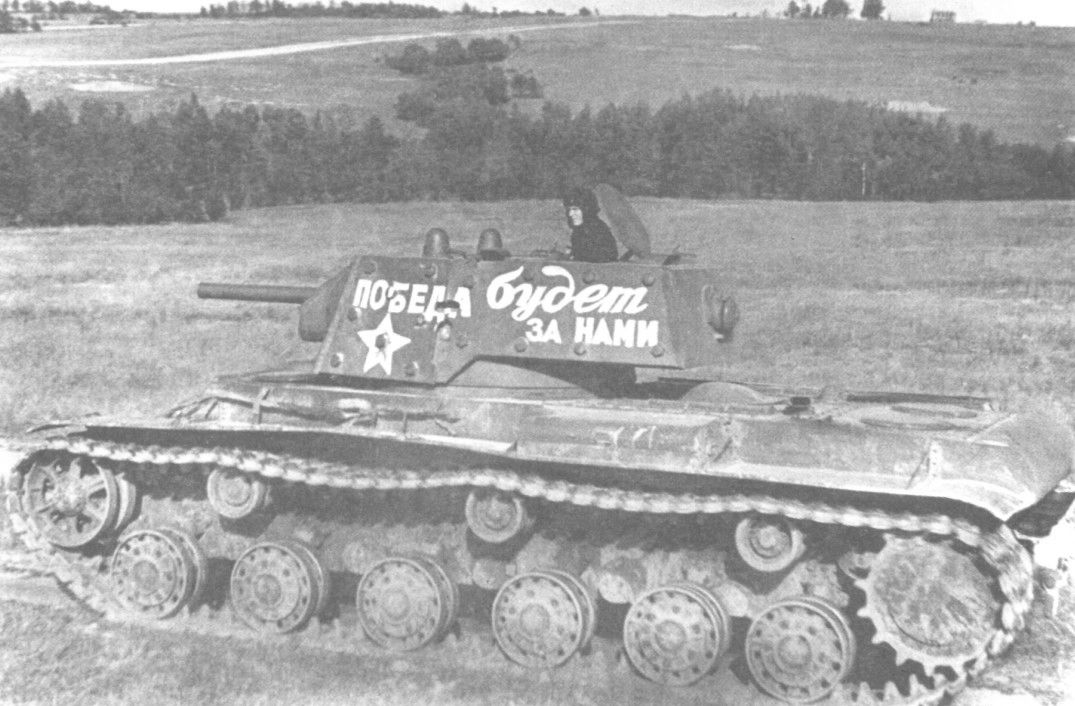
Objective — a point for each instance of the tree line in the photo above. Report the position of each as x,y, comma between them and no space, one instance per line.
278,8
102,165
833,9
53,9
361,10
10,24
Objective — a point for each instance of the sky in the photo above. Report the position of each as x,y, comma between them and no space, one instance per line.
1043,12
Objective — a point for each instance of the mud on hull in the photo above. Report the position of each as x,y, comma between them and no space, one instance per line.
801,600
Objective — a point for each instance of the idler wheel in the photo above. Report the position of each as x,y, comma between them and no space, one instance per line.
404,604
72,501
929,602
675,634
276,587
156,572
496,517
542,618
236,495
800,649
768,543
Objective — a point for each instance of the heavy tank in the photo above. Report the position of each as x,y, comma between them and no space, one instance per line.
522,438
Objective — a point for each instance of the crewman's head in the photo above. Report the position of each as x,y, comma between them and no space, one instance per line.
580,205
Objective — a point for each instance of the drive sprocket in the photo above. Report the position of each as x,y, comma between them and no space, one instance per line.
932,603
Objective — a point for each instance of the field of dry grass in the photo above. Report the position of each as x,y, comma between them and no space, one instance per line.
969,298
1011,79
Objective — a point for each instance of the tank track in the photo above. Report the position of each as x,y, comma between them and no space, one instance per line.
999,549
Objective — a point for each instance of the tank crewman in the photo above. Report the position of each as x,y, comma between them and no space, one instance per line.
591,239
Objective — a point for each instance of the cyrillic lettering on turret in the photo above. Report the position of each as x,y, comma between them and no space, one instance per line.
413,298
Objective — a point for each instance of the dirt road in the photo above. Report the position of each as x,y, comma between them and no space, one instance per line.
285,49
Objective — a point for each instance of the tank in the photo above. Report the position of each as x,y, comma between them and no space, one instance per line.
524,441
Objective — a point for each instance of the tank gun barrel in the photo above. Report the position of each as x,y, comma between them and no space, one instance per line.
268,293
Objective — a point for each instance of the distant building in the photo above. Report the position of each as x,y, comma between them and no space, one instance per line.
942,17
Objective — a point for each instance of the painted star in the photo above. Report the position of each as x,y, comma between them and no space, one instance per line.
382,343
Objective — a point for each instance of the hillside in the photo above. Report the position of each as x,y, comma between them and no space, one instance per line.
1011,79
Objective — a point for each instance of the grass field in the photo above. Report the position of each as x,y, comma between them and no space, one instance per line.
960,298
1015,80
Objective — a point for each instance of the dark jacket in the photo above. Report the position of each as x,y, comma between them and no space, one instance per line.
593,242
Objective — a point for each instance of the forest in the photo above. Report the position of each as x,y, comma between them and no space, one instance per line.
485,135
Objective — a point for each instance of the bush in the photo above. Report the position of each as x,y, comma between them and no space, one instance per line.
487,51
449,52
526,86
415,59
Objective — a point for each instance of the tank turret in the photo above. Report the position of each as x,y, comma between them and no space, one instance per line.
425,319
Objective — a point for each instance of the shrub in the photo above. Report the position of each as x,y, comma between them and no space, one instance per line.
414,59
487,51
449,52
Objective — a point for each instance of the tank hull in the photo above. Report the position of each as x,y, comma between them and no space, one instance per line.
666,436
714,501
608,544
